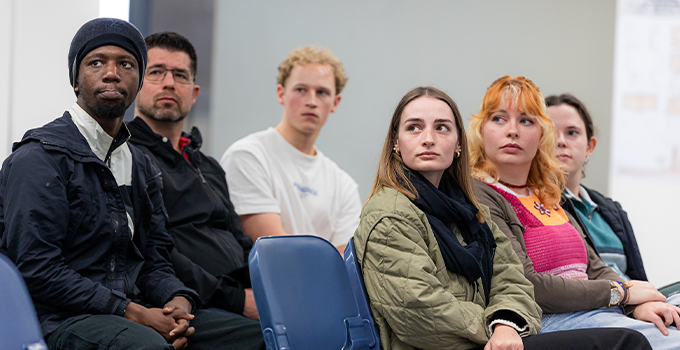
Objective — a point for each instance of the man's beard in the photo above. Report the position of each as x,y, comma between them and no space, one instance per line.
161,114
109,110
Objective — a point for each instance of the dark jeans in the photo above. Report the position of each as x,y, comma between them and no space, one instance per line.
214,330
584,339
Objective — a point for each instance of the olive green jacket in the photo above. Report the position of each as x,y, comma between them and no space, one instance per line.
417,303
554,294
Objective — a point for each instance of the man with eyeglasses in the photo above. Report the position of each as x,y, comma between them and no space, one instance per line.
82,218
211,251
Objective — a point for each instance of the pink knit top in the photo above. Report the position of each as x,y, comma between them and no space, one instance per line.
553,244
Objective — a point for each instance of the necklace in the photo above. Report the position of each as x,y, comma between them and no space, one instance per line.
511,185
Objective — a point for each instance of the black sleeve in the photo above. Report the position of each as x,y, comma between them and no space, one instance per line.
157,279
222,292
34,200
509,316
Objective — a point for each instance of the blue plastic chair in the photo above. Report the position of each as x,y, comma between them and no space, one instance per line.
357,280
304,297
19,328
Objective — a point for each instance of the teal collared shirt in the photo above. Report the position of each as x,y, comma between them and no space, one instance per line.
607,243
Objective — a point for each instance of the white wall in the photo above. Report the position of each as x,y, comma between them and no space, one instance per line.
36,64
645,166
391,46
5,49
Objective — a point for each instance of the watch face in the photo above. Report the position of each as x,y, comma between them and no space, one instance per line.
615,297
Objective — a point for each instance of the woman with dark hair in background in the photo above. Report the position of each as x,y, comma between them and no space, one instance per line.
512,143
439,274
606,223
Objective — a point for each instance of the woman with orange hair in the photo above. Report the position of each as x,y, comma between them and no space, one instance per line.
439,274
512,142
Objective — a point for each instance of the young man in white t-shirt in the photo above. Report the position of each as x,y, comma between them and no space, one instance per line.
279,182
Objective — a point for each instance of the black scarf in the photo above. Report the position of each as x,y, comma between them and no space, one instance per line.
448,205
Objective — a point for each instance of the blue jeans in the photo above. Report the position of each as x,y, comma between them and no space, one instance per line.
611,317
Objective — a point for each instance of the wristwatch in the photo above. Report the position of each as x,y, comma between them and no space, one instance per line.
615,297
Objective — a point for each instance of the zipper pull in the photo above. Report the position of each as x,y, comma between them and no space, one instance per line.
200,174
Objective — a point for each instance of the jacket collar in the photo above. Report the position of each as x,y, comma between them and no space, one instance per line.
63,134
583,197
143,135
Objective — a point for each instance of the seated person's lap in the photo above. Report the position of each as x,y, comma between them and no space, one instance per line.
213,328
104,331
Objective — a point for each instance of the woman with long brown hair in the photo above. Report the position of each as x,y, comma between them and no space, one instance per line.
512,142
439,274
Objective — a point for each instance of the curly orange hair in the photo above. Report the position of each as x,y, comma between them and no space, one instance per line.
546,177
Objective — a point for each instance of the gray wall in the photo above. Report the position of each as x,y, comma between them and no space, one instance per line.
35,37
389,47
193,20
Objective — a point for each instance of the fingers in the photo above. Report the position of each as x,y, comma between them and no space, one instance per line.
190,332
676,317
169,308
667,316
659,324
183,316
180,315
182,326
177,313
658,296
488,346
180,343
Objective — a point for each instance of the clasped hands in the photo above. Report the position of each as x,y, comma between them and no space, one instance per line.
172,321
652,306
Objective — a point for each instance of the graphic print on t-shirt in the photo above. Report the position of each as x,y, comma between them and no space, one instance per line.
304,191
311,194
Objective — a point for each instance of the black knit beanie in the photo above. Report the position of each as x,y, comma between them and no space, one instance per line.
106,31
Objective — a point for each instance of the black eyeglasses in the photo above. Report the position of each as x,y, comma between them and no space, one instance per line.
181,76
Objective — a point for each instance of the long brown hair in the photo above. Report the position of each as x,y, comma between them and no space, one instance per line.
546,177
391,165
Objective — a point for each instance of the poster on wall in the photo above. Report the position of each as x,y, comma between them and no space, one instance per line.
646,94
645,149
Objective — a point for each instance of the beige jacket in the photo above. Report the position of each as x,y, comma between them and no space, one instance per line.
417,303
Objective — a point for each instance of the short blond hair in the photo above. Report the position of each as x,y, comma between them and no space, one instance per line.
311,54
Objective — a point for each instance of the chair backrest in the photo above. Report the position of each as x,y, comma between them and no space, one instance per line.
303,295
19,328
357,280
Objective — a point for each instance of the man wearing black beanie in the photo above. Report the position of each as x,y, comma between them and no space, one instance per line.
82,218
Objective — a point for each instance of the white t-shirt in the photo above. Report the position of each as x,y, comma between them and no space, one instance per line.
312,194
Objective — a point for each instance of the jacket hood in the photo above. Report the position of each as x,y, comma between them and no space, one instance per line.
61,133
